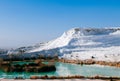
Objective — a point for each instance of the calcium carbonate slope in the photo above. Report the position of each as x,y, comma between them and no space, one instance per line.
85,43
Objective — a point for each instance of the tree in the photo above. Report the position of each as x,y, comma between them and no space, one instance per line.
21,51
10,57
1,61
41,56
55,56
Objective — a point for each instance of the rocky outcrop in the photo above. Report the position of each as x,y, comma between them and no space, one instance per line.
36,66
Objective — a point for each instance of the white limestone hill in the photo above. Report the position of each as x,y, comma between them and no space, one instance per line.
82,43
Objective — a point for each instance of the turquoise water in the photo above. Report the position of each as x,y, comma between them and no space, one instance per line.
65,69
21,63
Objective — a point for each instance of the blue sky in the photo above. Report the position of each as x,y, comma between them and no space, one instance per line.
26,22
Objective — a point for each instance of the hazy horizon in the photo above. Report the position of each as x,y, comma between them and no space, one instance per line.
24,23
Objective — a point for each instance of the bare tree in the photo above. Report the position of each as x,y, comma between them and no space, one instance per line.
21,52
41,56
